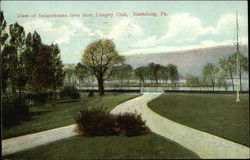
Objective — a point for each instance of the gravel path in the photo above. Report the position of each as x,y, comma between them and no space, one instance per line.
28,141
203,144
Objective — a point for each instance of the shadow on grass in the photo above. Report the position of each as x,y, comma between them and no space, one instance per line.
195,155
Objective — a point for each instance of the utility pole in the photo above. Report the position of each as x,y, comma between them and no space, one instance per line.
238,65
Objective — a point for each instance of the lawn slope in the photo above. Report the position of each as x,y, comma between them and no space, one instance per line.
50,116
150,146
216,114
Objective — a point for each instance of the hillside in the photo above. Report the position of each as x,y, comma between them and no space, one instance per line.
190,61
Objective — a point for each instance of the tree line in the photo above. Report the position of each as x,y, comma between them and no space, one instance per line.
101,62
219,74
28,65
125,73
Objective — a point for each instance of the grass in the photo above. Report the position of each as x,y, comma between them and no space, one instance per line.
61,114
150,146
216,114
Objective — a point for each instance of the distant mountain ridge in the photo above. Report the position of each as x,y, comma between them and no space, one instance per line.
189,61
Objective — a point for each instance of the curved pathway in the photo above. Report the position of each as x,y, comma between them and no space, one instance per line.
203,144
29,141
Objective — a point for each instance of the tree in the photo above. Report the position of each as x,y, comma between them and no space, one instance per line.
222,81
192,80
70,74
209,74
164,76
82,73
154,71
4,75
57,68
101,57
228,67
173,72
243,67
33,43
48,68
3,34
17,47
42,75
141,73
123,72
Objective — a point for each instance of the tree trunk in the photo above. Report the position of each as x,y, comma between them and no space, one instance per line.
55,94
232,82
213,85
100,85
20,94
240,83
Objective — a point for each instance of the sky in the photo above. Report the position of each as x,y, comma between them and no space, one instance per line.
183,25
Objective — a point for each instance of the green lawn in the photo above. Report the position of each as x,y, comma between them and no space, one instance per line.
150,146
48,116
216,114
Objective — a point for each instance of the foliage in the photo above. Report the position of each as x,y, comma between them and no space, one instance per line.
209,74
48,69
83,74
15,56
3,37
222,82
192,80
228,66
28,64
70,77
69,91
243,65
101,57
132,124
154,71
141,73
122,73
173,72
3,34
98,122
91,93
157,73
13,113
38,98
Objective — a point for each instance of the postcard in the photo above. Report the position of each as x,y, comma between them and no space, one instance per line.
124,80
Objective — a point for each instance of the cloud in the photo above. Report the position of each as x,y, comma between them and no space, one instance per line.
227,25
148,42
186,27
163,49
127,29
78,25
181,28
44,26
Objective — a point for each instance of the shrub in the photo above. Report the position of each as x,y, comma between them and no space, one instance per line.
132,124
95,122
91,93
98,122
39,98
69,91
13,113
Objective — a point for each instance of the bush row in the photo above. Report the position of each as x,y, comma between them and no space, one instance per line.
39,98
99,122
69,91
14,112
